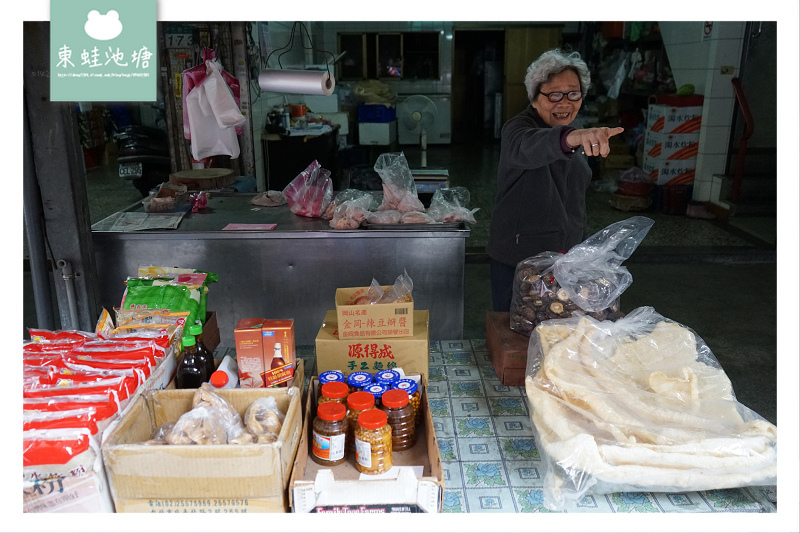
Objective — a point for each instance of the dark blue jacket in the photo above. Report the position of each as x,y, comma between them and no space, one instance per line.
541,192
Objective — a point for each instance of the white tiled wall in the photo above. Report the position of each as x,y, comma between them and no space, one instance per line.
697,54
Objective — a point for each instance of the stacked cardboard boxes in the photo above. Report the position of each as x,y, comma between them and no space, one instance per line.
671,142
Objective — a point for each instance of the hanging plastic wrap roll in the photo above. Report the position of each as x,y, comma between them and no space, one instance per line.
318,82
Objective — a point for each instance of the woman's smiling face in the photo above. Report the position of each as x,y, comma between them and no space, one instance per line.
558,113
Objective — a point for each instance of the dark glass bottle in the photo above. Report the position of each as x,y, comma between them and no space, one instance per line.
192,370
196,330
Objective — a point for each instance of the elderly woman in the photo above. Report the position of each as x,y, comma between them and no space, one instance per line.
543,172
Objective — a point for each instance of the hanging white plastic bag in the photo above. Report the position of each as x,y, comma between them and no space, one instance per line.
213,117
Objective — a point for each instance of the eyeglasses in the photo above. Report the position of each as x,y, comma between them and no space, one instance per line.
572,96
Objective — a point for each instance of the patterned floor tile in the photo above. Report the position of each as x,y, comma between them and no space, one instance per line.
462,372
454,501
470,406
492,500
478,449
443,425
513,426
483,474
524,473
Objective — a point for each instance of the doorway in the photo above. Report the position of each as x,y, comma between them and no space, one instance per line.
478,57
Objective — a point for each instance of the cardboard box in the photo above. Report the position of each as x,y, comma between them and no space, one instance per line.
256,340
671,146
664,118
371,355
508,349
669,172
380,133
372,321
211,331
200,478
342,489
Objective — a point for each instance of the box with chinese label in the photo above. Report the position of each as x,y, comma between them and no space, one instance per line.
372,321
671,146
370,355
663,118
670,171
260,342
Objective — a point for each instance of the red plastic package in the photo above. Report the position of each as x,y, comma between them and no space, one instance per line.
310,192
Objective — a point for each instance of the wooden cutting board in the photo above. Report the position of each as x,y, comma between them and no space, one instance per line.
203,178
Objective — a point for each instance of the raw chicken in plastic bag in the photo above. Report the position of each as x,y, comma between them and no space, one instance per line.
399,188
450,205
310,192
349,209
591,272
638,405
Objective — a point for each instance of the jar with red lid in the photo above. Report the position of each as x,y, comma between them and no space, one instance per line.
357,402
400,413
328,434
334,391
328,376
411,387
373,442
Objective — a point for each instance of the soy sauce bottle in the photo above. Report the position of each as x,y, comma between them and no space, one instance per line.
196,330
192,368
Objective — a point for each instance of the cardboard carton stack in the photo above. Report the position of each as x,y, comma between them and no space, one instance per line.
672,140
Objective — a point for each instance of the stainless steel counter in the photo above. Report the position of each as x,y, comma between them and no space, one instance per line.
293,270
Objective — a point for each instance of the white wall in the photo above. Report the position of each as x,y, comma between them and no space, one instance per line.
708,58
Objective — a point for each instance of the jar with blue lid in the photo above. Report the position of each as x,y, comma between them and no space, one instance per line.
411,387
377,390
387,377
327,377
358,380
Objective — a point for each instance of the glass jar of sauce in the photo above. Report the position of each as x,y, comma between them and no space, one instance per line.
395,403
387,377
333,391
411,387
358,380
373,442
357,402
330,375
329,433
377,391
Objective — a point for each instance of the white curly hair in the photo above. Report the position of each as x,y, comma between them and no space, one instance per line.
554,62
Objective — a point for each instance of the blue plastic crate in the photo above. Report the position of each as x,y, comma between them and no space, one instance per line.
376,113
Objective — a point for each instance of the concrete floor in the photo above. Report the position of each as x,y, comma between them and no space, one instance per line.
717,279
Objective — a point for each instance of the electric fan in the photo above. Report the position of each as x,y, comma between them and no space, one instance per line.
418,113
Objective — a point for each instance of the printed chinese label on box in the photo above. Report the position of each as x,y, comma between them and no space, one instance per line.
669,172
372,321
371,355
663,118
671,146
265,351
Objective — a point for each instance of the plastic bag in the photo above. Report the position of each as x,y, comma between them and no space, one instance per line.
264,419
193,77
213,117
591,272
638,405
349,209
399,188
310,192
450,205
